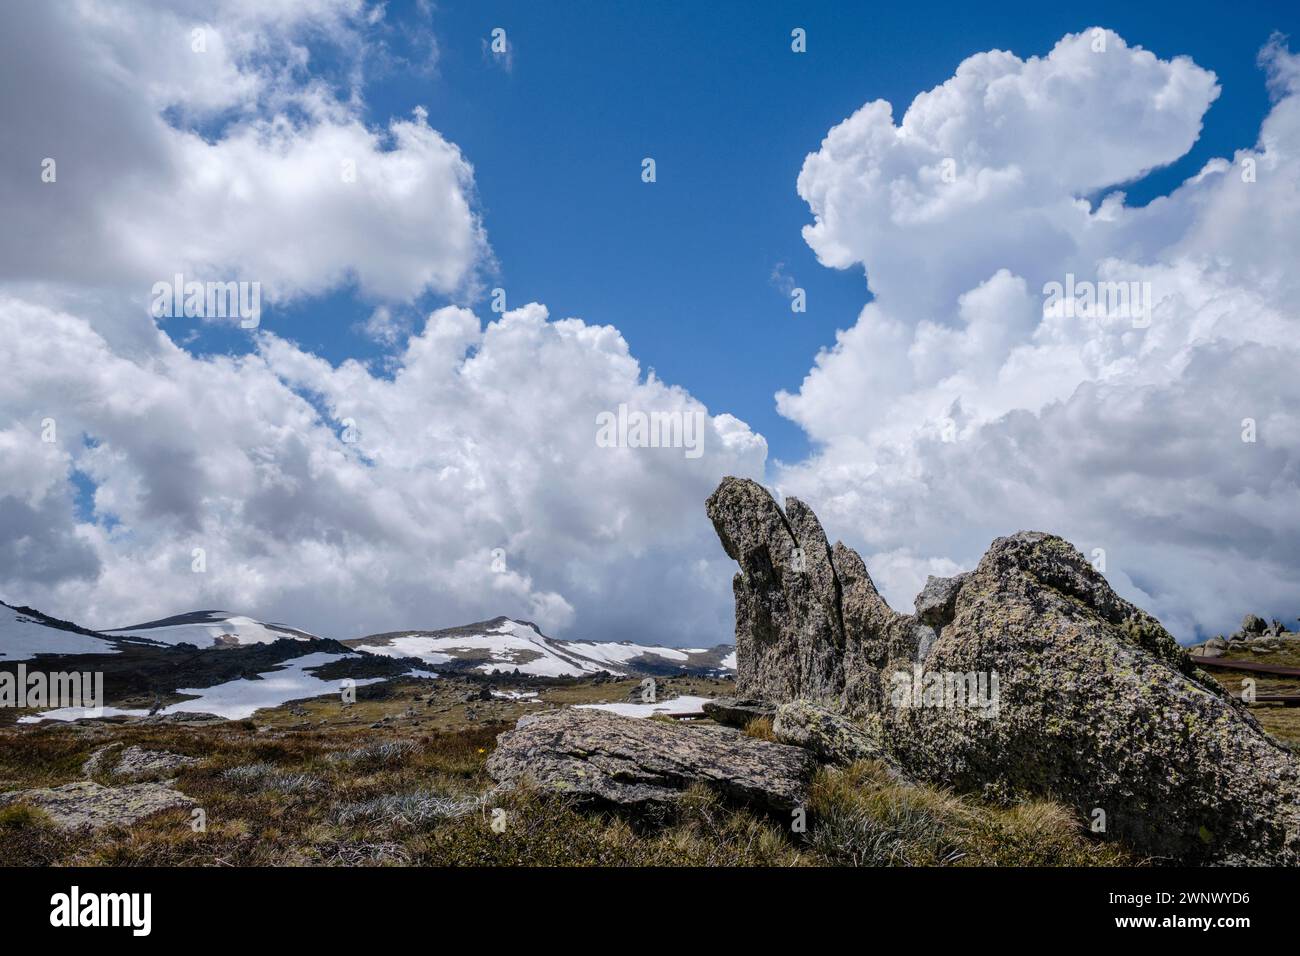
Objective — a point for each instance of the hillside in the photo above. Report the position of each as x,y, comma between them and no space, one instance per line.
506,645
26,633
227,665
210,629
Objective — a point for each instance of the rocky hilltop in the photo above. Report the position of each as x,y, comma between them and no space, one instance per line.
1025,676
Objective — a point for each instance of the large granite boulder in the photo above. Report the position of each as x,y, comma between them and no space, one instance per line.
631,761
1253,624
1026,675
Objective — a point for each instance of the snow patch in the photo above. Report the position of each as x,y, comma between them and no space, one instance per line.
215,630
678,705
624,651
235,699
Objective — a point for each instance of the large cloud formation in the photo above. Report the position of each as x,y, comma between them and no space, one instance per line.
459,479
962,406
462,477
468,482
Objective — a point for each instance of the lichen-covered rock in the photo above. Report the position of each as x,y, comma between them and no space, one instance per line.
91,805
136,762
631,761
832,737
737,711
789,635
1035,678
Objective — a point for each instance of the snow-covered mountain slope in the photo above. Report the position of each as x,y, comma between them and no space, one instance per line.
25,633
210,629
501,644
504,644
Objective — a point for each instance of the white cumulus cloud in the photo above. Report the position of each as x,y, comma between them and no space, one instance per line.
959,408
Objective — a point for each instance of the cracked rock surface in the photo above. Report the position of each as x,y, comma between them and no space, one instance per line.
631,761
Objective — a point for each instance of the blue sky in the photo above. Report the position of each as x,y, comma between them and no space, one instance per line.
683,267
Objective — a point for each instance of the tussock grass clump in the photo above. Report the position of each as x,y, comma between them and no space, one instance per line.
863,817
533,829
40,758
404,809
264,776
760,728
28,837
708,831
383,753
863,820
364,853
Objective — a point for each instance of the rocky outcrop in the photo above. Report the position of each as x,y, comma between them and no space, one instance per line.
1214,647
935,603
1254,636
787,595
633,762
1026,675
90,805
738,711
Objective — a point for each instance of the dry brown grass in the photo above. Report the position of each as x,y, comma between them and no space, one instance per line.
405,794
865,818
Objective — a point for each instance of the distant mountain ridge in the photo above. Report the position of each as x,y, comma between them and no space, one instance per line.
506,644
500,644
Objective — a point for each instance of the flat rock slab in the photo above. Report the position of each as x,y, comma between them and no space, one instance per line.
632,762
738,711
136,762
89,804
